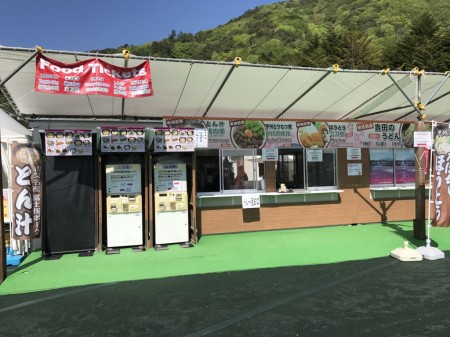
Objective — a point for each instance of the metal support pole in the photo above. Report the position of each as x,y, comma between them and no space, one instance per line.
304,93
38,51
406,96
419,221
126,54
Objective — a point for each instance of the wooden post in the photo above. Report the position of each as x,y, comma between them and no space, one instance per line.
419,221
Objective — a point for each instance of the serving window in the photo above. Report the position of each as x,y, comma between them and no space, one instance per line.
226,170
306,169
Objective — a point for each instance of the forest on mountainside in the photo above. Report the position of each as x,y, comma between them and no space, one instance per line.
356,34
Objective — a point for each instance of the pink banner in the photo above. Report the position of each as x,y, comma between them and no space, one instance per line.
92,77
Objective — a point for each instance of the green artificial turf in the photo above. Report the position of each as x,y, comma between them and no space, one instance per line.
220,253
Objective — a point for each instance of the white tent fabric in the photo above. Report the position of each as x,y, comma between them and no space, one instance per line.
222,89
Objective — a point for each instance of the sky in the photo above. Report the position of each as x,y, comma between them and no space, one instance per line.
86,25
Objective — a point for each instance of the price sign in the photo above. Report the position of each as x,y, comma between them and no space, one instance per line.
251,201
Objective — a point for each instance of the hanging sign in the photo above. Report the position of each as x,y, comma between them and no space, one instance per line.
92,77
255,134
314,155
68,143
422,139
26,174
251,201
270,154
122,139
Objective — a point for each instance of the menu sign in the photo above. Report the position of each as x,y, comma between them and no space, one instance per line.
68,143
92,77
245,133
123,139
174,140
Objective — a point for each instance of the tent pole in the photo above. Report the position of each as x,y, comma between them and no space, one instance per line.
38,51
126,54
419,221
439,87
304,93
406,96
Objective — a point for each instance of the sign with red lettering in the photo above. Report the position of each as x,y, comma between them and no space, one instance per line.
92,77
26,168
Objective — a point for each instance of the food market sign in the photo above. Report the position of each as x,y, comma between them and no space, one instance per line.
247,134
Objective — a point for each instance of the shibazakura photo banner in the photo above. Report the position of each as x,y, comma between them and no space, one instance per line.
92,77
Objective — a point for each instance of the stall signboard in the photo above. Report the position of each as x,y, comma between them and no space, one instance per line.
174,140
26,201
122,139
92,77
68,142
251,201
246,133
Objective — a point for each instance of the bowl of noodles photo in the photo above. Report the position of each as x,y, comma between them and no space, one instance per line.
316,135
250,135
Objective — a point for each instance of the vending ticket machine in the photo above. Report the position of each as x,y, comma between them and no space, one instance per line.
124,220
171,204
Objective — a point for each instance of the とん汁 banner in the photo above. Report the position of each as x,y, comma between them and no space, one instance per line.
92,77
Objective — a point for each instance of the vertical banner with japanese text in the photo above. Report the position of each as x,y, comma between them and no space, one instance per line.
441,176
26,173
92,77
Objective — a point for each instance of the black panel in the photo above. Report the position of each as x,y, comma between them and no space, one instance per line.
70,204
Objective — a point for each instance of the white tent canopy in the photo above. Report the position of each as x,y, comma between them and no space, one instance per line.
10,128
227,90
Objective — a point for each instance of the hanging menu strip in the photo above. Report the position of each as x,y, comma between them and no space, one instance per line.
174,140
122,139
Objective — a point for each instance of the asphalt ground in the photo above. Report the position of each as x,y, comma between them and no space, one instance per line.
373,297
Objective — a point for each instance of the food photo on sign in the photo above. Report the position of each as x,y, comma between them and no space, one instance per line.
248,134
314,135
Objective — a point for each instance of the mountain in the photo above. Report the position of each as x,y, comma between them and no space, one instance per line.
356,34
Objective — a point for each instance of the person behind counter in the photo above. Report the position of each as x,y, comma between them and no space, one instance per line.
241,177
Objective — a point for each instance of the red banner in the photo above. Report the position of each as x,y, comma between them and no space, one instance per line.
92,77
26,190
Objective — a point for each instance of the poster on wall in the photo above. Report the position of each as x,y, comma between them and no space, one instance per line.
92,77
441,176
251,134
381,166
354,169
405,166
26,185
122,139
174,140
68,142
